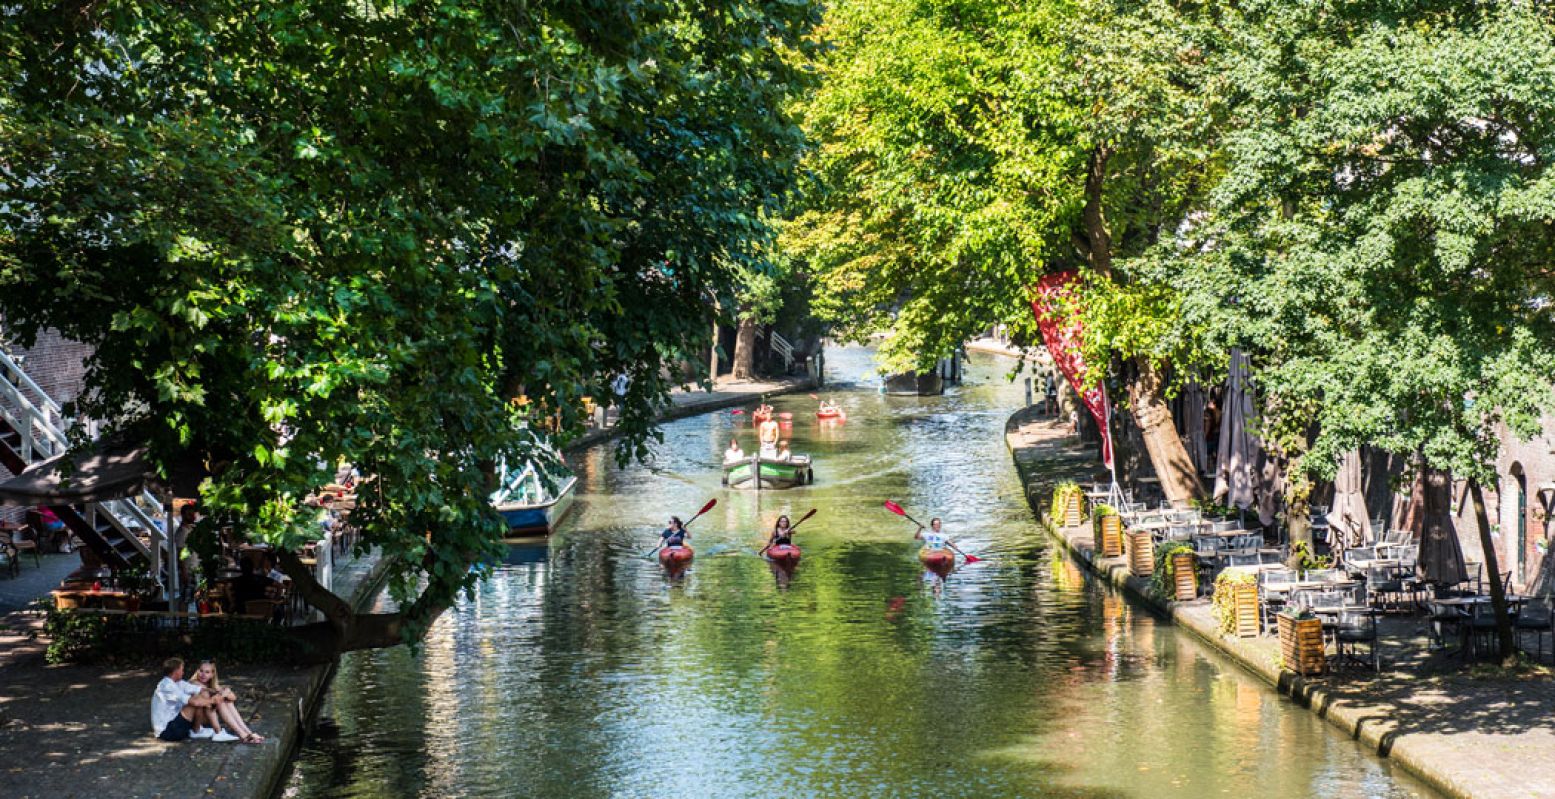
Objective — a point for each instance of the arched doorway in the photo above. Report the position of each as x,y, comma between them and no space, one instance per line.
1514,521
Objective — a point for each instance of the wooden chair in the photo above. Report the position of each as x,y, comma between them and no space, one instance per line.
263,609
19,541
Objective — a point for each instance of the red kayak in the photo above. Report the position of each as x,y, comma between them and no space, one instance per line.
784,555
675,556
832,413
939,561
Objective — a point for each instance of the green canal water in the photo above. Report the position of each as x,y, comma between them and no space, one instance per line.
582,670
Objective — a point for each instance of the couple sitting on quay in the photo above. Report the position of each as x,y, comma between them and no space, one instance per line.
198,708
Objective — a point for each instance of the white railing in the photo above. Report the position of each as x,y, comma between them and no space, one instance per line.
42,424
784,350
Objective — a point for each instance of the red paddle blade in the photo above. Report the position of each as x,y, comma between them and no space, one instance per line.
894,508
737,412
707,507
973,559
806,516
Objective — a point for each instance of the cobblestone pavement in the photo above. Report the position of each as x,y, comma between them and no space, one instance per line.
1471,731
84,731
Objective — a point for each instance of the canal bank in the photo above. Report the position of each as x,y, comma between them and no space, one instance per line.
1464,734
75,730
726,393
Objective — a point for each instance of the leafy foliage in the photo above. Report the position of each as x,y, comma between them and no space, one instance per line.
303,232
942,143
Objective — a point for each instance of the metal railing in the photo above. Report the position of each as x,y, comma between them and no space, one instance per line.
42,425
783,349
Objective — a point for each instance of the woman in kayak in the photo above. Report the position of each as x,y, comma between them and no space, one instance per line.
781,537
675,535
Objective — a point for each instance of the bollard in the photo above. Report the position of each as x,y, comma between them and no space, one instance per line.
1028,392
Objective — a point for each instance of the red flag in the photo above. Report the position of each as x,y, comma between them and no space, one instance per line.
1062,333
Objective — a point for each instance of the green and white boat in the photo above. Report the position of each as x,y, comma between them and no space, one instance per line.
774,473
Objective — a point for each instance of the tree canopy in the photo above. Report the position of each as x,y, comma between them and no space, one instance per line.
303,232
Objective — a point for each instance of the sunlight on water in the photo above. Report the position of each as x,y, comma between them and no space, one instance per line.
582,670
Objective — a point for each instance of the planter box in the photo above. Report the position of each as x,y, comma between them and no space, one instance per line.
1185,577
1301,644
1244,599
1111,540
1141,553
1073,513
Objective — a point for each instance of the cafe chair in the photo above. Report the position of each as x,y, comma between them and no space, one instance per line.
1536,618
1354,629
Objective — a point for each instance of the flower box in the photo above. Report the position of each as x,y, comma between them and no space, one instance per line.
1141,553
1185,577
1074,514
1301,643
1245,609
1111,542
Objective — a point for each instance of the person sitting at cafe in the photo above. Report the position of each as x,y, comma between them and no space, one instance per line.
251,585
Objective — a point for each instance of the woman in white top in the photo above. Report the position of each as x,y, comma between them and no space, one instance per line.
224,702
734,453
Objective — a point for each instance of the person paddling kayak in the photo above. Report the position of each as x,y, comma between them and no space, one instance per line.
782,534
934,538
675,535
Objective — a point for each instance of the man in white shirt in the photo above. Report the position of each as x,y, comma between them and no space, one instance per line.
178,709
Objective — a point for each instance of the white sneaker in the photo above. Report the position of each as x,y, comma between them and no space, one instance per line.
223,737
205,732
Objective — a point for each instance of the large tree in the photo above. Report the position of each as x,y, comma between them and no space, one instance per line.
941,150
1382,241
299,232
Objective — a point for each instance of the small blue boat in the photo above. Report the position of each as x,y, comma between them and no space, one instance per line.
527,506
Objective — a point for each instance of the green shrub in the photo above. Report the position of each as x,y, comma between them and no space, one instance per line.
1224,603
1164,583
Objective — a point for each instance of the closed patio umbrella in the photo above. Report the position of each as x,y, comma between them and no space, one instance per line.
1349,524
1236,476
1193,427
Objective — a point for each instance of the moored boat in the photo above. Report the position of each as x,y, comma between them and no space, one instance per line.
784,555
532,502
676,556
761,472
939,561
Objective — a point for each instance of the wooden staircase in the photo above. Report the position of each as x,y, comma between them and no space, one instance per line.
120,532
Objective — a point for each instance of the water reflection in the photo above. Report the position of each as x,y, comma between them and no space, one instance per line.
581,670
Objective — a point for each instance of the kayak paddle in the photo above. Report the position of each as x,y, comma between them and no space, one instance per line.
897,509
687,523
791,529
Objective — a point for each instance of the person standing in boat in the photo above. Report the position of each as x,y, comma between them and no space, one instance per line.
675,535
768,434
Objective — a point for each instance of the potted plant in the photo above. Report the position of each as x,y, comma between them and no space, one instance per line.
1235,603
1141,552
1301,642
1109,531
1068,504
1176,572
136,583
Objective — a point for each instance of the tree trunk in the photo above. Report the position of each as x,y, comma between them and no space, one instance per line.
1506,639
745,350
1093,216
1179,480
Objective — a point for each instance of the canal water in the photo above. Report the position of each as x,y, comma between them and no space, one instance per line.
582,670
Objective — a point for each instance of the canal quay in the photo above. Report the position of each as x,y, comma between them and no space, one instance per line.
581,669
